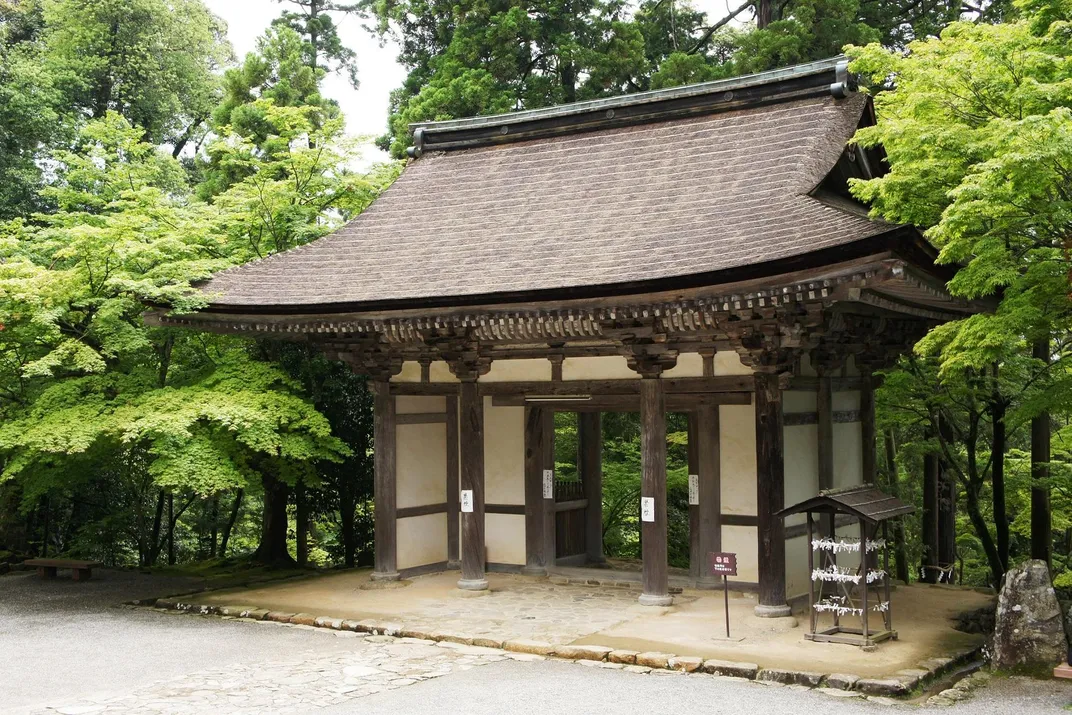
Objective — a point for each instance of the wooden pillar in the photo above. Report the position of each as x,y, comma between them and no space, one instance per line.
656,591
471,473
708,453
384,490
471,433
590,466
696,556
770,496
453,485
824,407
867,427
535,560
547,462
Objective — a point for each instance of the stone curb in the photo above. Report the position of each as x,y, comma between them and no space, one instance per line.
898,684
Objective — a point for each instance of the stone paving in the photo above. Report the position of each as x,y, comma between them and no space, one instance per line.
517,607
306,681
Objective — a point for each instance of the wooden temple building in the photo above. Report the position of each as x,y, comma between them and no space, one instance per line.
693,249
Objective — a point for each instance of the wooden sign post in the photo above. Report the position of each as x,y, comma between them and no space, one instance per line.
725,565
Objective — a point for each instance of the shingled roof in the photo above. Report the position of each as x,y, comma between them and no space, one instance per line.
728,185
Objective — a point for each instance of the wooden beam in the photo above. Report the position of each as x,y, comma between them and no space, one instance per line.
770,496
709,467
626,403
590,467
471,423
385,492
655,578
453,485
518,509
626,386
410,511
535,562
807,383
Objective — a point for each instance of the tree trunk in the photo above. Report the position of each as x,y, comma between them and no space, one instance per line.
226,537
273,548
301,528
997,474
899,551
346,520
1041,536
764,13
154,540
983,532
171,529
214,528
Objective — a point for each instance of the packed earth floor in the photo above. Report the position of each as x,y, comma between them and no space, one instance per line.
72,648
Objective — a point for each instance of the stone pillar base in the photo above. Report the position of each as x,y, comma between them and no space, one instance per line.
648,599
473,584
533,571
762,611
456,564
385,576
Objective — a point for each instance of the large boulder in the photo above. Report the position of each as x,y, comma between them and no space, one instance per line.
1029,633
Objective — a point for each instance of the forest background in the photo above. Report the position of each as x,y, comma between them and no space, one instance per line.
139,155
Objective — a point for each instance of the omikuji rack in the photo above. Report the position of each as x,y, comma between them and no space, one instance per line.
842,591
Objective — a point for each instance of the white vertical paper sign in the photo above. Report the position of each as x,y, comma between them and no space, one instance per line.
548,484
647,508
467,500
694,489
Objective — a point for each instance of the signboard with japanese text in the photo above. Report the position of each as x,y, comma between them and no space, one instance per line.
723,564
647,508
467,501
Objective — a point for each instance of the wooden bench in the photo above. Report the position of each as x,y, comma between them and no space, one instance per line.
80,570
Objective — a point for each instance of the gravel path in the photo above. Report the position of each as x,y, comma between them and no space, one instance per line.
67,647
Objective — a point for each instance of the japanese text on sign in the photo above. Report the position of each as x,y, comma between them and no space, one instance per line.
694,489
467,500
723,564
647,508
548,484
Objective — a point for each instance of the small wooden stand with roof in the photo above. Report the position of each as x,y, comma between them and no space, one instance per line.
854,593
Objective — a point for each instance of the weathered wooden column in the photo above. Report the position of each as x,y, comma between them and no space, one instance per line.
656,586
535,562
471,468
710,487
590,466
649,360
453,486
384,488
770,495
696,556
825,362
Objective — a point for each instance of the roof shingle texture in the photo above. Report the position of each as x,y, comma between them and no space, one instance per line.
635,204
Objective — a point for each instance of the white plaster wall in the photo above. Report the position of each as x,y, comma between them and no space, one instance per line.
737,434
518,370
743,541
845,400
419,404
848,455
422,540
504,455
728,362
610,367
421,464
801,467
439,371
798,401
688,365
797,577
411,372
504,537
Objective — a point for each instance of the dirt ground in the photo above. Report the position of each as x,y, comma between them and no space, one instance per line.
527,607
